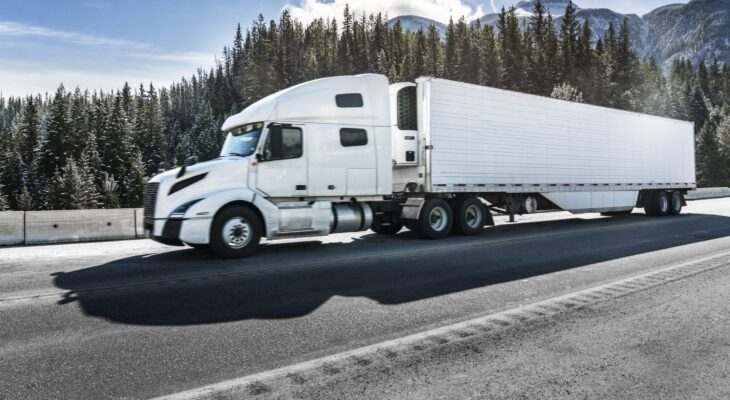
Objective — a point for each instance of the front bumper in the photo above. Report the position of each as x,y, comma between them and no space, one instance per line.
175,232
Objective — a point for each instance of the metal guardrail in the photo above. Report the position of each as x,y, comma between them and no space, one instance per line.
41,227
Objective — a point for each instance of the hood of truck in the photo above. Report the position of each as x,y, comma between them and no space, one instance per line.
219,174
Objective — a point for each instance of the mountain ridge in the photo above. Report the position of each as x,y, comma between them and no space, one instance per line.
697,30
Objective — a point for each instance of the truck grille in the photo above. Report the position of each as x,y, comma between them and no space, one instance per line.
150,199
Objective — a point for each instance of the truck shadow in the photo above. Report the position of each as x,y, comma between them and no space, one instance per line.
191,287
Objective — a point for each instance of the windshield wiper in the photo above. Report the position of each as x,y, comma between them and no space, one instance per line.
237,155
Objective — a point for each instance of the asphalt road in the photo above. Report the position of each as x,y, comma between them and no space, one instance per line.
135,319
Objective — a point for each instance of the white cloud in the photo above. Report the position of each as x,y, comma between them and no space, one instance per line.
58,56
10,28
193,58
438,10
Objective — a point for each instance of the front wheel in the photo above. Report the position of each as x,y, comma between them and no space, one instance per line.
435,220
236,232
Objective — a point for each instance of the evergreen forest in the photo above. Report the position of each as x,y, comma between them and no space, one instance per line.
75,149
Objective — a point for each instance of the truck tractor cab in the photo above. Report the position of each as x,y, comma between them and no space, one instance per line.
306,161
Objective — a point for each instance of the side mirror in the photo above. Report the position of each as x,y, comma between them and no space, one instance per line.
259,157
192,160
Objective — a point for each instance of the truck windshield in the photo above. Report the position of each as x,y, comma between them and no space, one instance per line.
242,141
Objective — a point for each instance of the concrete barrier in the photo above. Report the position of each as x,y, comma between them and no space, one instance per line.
708,193
12,227
79,225
139,222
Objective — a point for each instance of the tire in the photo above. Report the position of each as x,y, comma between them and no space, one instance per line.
236,232
198,246
658,205
470,216
387,225
435,220
675,203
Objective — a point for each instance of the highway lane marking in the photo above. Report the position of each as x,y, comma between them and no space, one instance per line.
190,278
269,381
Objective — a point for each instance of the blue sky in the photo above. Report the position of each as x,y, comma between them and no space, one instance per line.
100,44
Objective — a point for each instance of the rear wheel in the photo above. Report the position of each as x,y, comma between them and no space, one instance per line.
658,204
470,216
236,232
675,203
435,221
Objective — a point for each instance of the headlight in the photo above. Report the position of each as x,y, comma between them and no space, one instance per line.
179,212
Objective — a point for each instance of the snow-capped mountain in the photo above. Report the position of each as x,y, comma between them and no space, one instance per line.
600,18
414,23
698,30
556,8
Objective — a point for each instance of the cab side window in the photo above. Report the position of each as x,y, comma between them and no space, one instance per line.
353,137
283,144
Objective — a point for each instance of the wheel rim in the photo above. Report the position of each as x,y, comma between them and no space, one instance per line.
663,203
237,233
473,216
438,219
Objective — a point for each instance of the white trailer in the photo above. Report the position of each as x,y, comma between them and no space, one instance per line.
353,153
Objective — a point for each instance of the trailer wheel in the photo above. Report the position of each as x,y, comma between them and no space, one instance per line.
469,216
658,204
235,233
386,224
675,203
436,219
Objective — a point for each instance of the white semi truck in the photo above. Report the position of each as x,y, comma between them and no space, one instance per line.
353,153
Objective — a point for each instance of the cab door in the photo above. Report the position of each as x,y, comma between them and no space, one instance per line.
282,164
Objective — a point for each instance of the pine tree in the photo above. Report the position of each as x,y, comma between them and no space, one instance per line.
568,93
537,34
133,183
569,30
109,192
4,204
25,200
56,148
28,132
206,135
710,164
79,124
433,66
153,146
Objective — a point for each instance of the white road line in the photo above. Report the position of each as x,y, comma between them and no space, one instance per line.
505,318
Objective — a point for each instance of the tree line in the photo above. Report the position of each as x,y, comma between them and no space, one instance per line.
76,150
